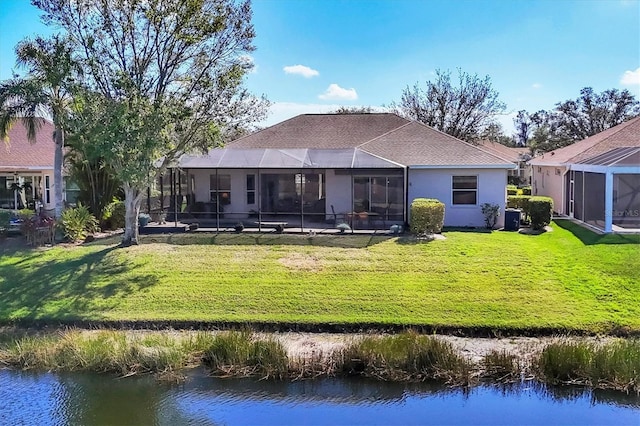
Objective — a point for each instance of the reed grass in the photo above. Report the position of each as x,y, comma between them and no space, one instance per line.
501,366
238,353
406,356
612,365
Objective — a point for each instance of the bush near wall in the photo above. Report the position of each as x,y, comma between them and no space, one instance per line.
540,211
526,190
113,215
518,202
512,190
427,216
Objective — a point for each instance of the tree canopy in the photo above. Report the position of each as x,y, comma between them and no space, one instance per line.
45,91
164,77
463,109
576,119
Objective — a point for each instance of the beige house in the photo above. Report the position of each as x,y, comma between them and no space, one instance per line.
517,155
596,180
26,168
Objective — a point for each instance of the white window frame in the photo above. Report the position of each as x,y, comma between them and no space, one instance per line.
454,190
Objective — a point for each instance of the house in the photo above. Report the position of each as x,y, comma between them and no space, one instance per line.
29,165
517,155
364,169
596,180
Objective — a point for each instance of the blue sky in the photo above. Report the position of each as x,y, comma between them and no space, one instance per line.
313,56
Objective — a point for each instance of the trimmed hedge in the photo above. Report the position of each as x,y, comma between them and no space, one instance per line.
526,190
540,211
512,190
519,202
427,216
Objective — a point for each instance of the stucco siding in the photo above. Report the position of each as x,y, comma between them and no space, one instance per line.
437,183
548,181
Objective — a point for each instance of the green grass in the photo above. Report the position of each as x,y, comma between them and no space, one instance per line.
567,279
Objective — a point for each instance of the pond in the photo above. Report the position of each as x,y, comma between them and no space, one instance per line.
45,398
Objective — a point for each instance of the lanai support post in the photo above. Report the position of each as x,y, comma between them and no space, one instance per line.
608,202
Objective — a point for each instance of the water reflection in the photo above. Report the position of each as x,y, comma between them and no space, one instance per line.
99,399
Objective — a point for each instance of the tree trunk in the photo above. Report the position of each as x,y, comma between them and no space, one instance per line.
132,200
57,171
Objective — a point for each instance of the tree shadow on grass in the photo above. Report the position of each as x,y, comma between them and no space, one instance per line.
269,239
67,289
589,237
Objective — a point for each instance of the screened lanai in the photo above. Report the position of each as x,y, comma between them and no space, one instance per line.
604,191
304,188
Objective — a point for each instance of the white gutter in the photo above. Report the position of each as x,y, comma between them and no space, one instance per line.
511,166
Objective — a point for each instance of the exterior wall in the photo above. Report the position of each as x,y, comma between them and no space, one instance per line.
338,190
549,182
201,189
437,183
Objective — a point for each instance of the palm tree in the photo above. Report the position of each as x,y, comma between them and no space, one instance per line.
44,92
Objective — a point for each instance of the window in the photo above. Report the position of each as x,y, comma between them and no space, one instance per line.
465,190
251,189
220,188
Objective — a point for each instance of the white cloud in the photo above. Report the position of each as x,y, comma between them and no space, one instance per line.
337,93
536,85
302,70
631,78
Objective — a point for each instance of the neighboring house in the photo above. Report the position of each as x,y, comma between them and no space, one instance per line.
519,156
596,180
28,164
363,168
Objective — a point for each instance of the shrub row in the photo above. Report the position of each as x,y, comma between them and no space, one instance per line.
427,216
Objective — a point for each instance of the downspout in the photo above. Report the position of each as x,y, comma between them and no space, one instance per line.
302,185
406,196
217,202
259,191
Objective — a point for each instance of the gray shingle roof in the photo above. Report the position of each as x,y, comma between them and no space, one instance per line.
368,140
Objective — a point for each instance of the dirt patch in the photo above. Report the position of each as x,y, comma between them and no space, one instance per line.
301,262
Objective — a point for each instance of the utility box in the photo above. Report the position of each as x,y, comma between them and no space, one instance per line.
512,219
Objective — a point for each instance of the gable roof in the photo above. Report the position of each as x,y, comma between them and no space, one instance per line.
21,154
384,135
626,134
512,154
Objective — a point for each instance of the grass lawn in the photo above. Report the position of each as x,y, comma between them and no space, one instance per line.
569,278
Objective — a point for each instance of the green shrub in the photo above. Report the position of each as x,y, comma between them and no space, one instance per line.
526,190
540,211
491,213
5,218
114,215
77,222
427,216
512,190
519,202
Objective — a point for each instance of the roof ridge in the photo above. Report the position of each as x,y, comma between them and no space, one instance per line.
464,142
386,133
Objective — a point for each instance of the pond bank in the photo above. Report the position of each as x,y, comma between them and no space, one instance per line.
599,362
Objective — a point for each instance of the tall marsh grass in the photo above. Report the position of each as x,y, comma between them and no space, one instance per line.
614,365
406,356
238,353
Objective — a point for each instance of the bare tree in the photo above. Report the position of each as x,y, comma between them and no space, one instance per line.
462,110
